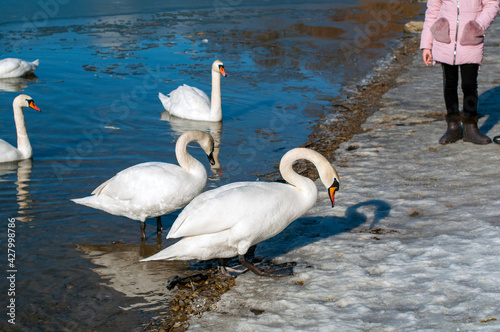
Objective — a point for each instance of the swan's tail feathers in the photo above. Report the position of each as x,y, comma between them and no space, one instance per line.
165,101
184,249
88,201
36,63
204,247
164,254
77,200
96,202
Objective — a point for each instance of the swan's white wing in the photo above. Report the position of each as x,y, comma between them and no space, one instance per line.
193,93
146,190
188,102
146,182
9,65
222,208
8,152
12,67
165,100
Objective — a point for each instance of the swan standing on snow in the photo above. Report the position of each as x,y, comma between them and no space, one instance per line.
191,103
154,189
24,150
226,221
12,67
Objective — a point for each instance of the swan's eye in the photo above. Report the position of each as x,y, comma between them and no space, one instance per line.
31,104
222,70
335,185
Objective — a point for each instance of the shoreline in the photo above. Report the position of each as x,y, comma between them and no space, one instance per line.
356,109
187,300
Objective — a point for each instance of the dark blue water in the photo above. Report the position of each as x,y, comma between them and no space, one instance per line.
102,64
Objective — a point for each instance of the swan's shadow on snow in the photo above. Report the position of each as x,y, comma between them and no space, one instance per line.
488,106
305,231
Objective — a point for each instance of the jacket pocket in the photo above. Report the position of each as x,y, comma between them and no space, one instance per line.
473,34
441,30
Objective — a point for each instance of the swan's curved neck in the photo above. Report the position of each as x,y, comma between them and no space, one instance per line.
23,142
290,176
215,100
185,160
325,169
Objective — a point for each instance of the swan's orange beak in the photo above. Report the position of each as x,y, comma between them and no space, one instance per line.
31,104
332,190
222,71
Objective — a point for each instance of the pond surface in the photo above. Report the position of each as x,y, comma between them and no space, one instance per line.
102,64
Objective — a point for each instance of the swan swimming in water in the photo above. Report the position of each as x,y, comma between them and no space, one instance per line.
191,103
227,221
154,189
24,150
12,67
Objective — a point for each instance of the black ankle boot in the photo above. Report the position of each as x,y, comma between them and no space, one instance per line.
454,131
472,133
496,139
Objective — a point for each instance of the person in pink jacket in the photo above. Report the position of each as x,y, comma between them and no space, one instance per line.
453,35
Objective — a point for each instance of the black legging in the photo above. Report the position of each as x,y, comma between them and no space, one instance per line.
469,88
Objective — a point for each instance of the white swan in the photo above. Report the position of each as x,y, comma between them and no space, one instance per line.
12,67
214,128
227,221
191,103
154,189
24,150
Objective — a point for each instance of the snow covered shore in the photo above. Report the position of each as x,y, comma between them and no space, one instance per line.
413,243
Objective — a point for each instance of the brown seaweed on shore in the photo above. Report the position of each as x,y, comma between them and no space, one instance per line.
191,299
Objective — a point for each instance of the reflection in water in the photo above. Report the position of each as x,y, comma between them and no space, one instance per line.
367,28
17,84
119,265
24,168
180,126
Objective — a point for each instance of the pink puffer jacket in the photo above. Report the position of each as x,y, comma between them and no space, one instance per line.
442,20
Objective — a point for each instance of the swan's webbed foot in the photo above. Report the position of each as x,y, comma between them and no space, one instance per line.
281,270
224,271
231,271
227,270
159,227
176,280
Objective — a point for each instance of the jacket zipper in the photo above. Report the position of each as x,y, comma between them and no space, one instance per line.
456,33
